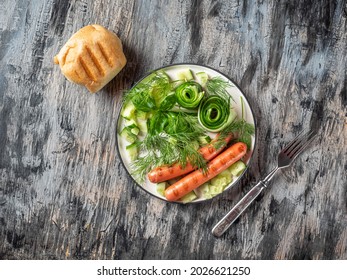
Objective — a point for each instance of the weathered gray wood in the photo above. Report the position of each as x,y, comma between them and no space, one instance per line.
63,191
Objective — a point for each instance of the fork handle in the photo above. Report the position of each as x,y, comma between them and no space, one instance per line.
237,210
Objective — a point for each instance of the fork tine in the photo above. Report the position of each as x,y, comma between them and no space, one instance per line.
291,143
303,147
299,142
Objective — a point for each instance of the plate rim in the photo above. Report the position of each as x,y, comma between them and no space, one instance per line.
181,64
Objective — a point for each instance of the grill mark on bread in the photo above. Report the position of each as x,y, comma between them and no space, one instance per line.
87,70
104,54
95,60
78,75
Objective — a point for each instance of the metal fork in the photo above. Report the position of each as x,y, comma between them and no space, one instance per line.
285,158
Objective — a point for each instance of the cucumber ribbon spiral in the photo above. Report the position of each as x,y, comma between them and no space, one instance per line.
189,94
215,113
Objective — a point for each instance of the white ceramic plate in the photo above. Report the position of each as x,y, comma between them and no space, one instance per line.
234,91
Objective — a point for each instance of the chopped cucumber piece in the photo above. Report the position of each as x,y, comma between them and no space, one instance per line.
220,182
161,188
185,75
237,168
204,191
142,125
188,197
204,140
134,129
128,135
140,115
130,122
202,78
133,151
163,74
211,189
128,111
214,190
227,174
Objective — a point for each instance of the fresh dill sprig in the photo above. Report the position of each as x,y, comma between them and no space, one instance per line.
139,88
160,86
157,84
242,131
218,86
175,143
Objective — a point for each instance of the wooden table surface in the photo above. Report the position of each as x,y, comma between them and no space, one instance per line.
64,193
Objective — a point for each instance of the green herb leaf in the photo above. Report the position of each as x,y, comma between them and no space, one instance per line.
143,101
242,130
170,139
219,87
168,102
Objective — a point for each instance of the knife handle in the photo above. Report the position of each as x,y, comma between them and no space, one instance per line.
237,210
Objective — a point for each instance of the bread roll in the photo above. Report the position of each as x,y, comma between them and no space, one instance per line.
92,57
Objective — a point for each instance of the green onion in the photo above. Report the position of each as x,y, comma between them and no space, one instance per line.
215,113
189,94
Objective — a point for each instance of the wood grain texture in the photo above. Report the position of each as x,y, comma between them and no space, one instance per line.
64,193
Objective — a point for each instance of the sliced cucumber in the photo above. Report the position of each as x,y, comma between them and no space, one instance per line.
188,197
225,174
140,115
216,189
161,188
204,140
133,151
142,125
202,78
164,75
219,182
128,111
185,75
134,129
237,168
128,135
204,191
130,122
141,118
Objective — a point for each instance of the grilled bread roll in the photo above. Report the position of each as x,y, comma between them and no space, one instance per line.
92,57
